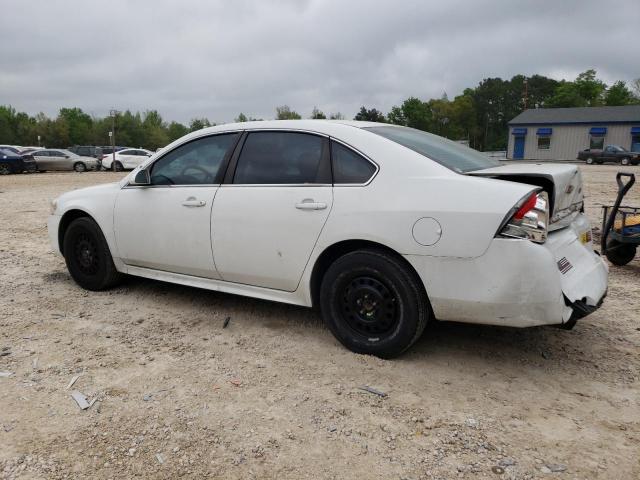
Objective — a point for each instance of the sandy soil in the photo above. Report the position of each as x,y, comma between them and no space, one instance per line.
273,395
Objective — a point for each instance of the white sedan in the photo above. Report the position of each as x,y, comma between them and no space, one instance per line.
126,159
385,228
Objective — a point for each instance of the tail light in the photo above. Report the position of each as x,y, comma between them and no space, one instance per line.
528,219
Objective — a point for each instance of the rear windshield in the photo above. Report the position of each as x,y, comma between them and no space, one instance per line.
455,156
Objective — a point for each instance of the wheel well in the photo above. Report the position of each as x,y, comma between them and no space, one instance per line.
66,220
335,251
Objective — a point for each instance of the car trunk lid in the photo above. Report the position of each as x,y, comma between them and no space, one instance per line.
562,182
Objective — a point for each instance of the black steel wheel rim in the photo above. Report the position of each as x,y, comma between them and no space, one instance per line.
369,307
86,253
4,169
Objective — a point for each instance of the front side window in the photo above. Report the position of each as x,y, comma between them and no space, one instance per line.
544,143
348,166
452,155
194,163
597,142
283,158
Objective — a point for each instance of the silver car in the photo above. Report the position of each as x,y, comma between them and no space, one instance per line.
58,159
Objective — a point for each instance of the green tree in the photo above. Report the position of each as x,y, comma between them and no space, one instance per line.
591,88
79,125
176,130
372,115
336,116
241,118
199,124
396,116
285,113
618,94
317,114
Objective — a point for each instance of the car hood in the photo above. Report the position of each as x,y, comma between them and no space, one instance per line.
563,183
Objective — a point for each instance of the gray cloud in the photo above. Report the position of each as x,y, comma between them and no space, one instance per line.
217,58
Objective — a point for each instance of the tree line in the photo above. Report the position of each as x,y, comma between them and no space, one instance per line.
479,115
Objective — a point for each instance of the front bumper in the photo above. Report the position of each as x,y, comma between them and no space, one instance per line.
53,224
517,282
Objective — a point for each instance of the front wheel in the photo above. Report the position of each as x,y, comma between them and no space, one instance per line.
88,257
589,160
373,303
620,253
119,167
5,169
80,167
624,161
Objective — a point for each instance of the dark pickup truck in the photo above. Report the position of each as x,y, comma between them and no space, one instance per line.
610,153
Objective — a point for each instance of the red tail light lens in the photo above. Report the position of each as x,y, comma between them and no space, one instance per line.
529,205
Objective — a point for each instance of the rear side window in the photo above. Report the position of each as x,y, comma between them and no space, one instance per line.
348,166
194,163
283,158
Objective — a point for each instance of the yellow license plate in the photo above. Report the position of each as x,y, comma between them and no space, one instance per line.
585,237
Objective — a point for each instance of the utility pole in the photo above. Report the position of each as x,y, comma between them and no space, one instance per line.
526,93
112,134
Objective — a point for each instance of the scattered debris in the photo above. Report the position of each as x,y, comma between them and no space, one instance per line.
148,397
507,462
369,389
497,470
5,374
5,351
35,363
159,458
80,399
236,382
226,322
73,380
556,467
471,422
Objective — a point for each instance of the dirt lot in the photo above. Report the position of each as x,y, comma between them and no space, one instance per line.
273,395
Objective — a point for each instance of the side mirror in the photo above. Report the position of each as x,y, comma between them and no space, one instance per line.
142,178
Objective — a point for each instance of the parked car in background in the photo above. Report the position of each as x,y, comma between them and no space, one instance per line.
126,159
107,149
30,149
11,162
60,159
384,227
86,151
11,148
610,153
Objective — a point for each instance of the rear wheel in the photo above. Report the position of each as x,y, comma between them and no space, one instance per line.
88,257
620,253
5,169
80,167
373,303
119,167
589,160
624,161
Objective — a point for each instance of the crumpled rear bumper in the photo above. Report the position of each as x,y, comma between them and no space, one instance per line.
517,282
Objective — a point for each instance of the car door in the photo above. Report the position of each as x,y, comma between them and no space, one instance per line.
126,158
269,213
59,161
167,225
42,159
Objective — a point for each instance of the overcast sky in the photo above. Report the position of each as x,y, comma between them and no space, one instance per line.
213,58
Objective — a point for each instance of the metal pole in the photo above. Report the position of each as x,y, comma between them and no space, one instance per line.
113,140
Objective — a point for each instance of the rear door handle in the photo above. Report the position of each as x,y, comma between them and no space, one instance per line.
192,202
309,204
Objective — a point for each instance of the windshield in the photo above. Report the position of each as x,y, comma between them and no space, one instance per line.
455,156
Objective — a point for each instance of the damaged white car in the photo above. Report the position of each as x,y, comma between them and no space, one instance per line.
385,228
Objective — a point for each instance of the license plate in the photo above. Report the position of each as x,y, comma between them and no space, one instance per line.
585,237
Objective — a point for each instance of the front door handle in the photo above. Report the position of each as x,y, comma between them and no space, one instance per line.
309,204
192,202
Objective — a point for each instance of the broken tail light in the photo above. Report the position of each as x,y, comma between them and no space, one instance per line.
528,219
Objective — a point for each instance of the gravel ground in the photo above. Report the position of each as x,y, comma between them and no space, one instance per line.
273,395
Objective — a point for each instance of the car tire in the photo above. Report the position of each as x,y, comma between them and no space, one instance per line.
373,303
80,167
620,253
624,161
5,169
88,257
119,167
589,160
